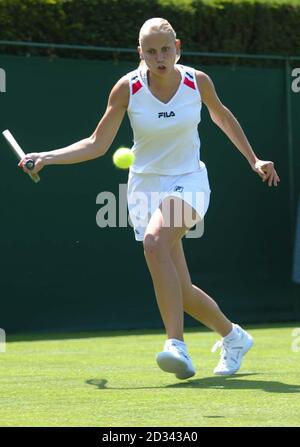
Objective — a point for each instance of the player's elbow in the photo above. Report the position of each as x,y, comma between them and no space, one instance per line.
220,116
97,145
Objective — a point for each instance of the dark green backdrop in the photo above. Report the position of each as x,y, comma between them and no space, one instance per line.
60,271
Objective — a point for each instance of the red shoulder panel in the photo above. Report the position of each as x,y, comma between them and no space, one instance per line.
189,83
136,86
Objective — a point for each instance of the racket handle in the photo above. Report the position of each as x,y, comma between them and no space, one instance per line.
30,165
35,177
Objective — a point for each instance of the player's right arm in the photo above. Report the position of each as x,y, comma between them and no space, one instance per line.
98,143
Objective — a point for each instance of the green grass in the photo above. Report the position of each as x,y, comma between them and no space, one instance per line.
111,379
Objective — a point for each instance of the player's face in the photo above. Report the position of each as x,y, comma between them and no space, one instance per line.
159,52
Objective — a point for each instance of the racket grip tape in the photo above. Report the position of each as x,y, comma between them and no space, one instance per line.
29,164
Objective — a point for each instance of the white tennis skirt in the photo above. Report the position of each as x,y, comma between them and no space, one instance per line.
146,193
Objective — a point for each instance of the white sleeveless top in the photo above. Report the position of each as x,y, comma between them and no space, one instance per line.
165,136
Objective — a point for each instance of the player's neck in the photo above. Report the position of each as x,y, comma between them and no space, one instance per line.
159,82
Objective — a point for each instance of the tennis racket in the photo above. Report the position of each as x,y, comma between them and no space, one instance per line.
20,154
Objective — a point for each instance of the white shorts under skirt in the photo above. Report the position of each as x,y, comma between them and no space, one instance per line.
146,192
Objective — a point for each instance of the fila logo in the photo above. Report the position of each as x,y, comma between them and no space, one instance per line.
165,114
178,188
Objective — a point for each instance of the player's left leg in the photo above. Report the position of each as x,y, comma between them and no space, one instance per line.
236,342
196,302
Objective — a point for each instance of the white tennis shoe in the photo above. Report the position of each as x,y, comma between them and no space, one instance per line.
232,351
175,359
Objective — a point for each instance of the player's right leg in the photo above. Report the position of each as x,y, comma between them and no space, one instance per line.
158,242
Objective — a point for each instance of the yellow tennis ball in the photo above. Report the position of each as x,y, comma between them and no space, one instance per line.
123,158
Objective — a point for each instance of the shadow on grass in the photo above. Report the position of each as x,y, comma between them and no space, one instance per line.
236,382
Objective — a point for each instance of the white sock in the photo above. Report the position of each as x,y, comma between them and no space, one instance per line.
232,335
176,342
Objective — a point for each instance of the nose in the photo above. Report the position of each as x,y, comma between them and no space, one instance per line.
159,57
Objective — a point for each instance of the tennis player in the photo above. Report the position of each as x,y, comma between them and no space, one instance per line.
163,100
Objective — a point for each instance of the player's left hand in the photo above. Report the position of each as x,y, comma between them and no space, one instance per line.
267,172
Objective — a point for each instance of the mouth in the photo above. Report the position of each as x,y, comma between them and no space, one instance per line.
161,68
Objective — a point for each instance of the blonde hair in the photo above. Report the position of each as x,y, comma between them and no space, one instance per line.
157,24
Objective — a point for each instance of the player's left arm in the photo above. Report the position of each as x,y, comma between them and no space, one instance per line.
227,122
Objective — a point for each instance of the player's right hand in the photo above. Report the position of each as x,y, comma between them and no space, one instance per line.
37,158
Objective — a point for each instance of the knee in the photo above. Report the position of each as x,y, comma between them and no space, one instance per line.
187,290
155,248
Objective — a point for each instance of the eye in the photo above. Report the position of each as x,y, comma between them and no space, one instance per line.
165,49
151,51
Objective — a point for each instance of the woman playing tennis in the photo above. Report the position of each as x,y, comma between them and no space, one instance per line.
163,100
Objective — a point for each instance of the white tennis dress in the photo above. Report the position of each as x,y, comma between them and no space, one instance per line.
166,147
